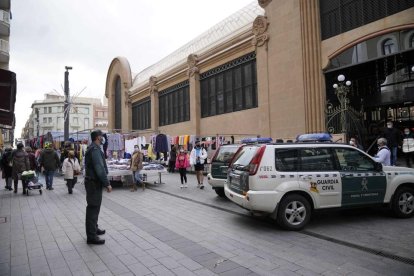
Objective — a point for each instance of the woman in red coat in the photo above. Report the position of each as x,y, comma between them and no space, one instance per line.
182,163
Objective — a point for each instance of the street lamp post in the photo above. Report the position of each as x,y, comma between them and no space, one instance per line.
341,92
66,105
37,127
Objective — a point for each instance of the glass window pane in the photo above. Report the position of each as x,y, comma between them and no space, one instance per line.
220,94
353,160
204,98
229,91
212,97
286,160
316,159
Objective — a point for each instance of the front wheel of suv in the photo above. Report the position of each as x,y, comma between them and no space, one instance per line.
294,212
403,202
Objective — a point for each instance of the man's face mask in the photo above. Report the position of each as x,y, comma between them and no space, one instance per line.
181,150
407,132
136,149
389,125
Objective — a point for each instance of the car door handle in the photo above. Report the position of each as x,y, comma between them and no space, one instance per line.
307,178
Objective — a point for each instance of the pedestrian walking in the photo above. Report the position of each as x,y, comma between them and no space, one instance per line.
197,159
49,161
408,146
394,139
32,158
173,158
71,170
96,178
7,168
182,163
20,161
383,155
137,160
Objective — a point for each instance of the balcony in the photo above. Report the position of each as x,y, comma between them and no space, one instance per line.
4,23
4,51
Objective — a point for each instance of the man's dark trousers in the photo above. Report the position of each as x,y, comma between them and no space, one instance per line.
94,200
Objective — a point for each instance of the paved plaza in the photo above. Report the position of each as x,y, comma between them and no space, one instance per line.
166,230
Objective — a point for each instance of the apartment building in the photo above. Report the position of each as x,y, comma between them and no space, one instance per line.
48,115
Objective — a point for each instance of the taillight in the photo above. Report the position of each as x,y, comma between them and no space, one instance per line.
254,164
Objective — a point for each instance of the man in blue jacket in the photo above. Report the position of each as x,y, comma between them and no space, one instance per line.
96,178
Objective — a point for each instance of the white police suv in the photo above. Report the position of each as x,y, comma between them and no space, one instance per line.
290,181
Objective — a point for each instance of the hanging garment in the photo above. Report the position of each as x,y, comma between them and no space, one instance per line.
161,143
130,144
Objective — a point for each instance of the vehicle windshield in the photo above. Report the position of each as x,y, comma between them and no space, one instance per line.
244,156
226,153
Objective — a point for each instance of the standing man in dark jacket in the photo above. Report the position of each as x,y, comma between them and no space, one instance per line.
96,178
394,140
50,162
6,168
20,164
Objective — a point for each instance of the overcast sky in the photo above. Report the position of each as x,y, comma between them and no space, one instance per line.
47,35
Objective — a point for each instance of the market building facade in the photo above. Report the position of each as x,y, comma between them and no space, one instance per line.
269,70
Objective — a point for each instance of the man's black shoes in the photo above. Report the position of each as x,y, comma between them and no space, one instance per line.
100,232
96,241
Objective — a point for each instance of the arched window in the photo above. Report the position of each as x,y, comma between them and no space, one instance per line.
389,47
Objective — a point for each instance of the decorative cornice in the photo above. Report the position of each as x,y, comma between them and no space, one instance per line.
192,62
260,25
153,87
264,3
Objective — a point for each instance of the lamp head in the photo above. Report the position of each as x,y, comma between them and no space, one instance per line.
68,67
341,77
335,86
348,83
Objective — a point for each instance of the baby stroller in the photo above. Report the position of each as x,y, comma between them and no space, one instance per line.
32,182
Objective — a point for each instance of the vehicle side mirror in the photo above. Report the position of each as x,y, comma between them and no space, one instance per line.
378,167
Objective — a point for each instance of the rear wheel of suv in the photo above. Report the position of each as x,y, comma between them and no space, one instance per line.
220,192
403,202
294,212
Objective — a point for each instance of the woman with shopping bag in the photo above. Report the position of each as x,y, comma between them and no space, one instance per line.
71,170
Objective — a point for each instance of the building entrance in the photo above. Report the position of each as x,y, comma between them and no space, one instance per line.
381,72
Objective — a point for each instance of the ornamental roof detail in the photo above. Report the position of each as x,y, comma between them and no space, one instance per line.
227,29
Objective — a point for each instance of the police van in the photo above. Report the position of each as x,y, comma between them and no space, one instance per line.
290,181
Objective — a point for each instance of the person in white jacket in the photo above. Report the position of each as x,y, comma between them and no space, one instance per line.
384,154
71,169
198,157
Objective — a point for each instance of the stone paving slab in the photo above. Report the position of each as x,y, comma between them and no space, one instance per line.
151,233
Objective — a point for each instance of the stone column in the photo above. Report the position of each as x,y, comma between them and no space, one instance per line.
153,89
127,110
314,89
260,40
194,91
111,110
